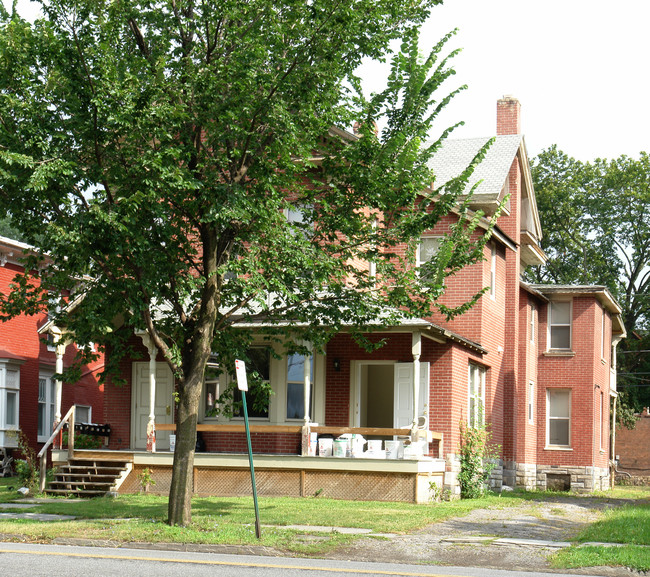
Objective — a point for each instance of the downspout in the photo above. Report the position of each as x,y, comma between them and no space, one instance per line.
613,391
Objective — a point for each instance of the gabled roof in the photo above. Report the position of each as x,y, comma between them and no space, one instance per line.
456,155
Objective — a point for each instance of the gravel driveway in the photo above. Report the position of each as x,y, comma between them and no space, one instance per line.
469,541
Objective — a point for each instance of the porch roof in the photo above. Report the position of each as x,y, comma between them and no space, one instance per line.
403,324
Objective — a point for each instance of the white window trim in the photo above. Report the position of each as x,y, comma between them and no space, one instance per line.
531,403
533,323
476,417
302,382
493,271
9,388
418,253
602,336
550,326
49,405
90,413
548,418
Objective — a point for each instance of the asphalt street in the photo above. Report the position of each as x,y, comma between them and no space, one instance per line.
18,559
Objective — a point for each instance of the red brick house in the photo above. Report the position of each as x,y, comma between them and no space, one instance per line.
534,363
28,391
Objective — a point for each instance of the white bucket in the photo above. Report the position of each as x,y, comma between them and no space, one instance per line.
340,447
374,446
325,447
172,443
393,450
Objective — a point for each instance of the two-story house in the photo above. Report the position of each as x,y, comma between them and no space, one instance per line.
533,363
30,398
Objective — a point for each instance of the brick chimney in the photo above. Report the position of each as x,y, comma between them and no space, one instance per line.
508,116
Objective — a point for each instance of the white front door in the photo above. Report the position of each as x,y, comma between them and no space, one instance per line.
164,405
403,401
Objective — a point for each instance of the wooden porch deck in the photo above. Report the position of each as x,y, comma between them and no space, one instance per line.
228,475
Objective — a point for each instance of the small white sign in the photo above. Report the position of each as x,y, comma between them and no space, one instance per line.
240,371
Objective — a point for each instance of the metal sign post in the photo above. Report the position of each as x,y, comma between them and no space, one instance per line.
242,385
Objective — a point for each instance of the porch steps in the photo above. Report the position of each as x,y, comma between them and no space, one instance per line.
88,477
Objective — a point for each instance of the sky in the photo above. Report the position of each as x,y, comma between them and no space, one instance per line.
578,67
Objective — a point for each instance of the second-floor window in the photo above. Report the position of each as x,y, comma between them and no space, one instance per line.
493,270
427,250
533,323
559,325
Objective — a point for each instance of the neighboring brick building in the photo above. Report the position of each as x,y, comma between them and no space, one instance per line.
535,363
633,447
27,366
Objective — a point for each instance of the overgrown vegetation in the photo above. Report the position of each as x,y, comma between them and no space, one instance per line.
27,468
477,460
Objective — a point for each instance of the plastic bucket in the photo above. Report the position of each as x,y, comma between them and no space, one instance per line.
375,445
340,447
325,447
393,449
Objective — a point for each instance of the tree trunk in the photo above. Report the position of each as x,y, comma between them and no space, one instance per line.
182,486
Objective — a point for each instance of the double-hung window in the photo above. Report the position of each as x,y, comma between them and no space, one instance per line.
427,249
493,270
558,418
559,325
258,366
46,396
296,385
476,394
533,323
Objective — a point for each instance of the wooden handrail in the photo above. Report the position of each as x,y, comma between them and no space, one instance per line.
42,454
236,428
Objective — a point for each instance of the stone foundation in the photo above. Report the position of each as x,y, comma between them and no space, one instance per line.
531,477
577,479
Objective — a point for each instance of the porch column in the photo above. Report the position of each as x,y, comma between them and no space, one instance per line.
307,381
416,350
58,384
151,424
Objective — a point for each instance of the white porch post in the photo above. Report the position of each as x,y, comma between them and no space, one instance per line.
58,384
307,382
306,428
151,424
416,350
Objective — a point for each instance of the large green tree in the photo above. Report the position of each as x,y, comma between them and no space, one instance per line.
596,222
180,164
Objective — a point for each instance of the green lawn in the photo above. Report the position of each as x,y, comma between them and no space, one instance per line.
215,520
629,525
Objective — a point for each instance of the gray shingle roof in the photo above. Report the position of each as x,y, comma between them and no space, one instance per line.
456,155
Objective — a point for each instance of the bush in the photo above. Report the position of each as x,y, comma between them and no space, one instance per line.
477,460
27,468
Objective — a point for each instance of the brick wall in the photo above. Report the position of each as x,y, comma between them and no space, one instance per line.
633,447
19,336
587,376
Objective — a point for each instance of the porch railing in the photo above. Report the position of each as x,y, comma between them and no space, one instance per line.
299,429
58,432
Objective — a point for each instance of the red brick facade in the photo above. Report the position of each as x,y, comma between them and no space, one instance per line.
20,342
503,337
